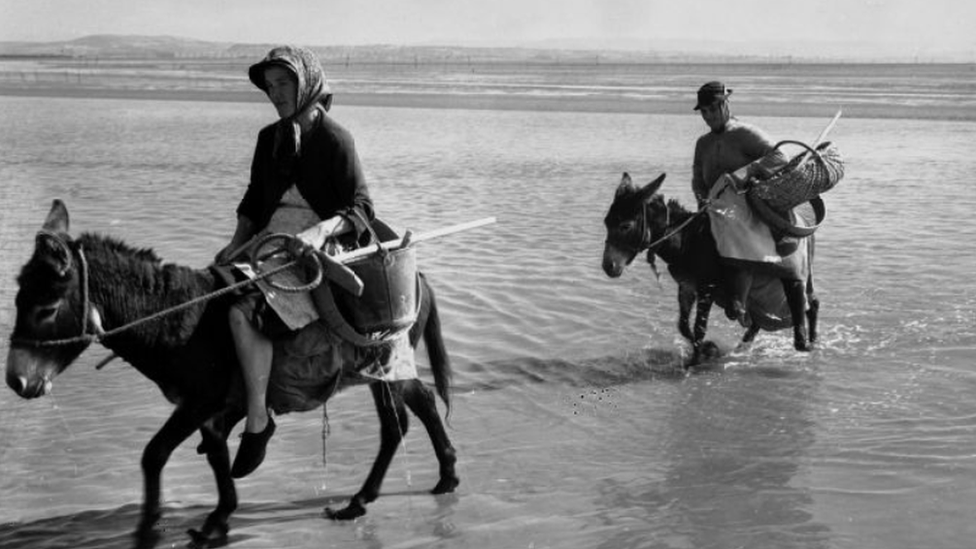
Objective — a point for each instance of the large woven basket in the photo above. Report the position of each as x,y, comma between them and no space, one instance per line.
805,177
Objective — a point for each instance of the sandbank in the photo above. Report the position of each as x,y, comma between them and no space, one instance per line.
510,102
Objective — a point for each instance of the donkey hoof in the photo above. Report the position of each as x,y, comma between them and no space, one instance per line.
445,486
709,350
803,346
147,538
213,534
735,310
207,540
353,511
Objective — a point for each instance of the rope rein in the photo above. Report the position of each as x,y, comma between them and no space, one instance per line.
86,337
644,230
681,226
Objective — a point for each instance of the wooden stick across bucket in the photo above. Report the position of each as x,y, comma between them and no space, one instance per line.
342,275
410,238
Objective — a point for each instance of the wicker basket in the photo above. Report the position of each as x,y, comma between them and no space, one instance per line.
805,177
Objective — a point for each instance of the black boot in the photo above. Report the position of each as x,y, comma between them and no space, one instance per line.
251,452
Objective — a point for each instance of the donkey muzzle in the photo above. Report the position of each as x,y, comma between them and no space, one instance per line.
23,375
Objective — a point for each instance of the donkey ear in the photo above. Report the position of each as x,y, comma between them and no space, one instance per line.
626,185
649,190
57,218
50,249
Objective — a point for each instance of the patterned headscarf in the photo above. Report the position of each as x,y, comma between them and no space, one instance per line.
313,92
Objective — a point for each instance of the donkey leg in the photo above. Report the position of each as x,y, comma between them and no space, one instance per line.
739,283
748,337
180,425
703,309
796,298
216,527
393,425
686,300
813,312
421,402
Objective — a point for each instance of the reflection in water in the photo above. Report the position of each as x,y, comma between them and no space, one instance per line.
733,444
304,519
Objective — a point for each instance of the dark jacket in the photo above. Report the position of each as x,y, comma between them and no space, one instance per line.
326,171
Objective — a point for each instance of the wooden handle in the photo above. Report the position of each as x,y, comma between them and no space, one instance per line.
340,274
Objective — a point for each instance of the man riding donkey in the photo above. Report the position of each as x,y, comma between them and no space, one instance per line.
733,163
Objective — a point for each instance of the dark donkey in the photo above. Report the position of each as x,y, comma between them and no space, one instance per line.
640,219
72,289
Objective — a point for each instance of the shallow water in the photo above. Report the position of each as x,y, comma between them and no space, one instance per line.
574,425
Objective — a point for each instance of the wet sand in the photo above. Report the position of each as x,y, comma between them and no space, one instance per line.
512,102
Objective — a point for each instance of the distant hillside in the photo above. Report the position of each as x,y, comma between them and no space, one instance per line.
169,47
120,46
110,46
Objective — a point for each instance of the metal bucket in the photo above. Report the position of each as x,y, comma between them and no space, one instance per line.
389,298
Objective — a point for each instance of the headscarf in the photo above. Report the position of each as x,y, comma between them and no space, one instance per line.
313,93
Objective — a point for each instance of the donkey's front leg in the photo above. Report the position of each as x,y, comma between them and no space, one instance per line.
686,300
177,429
703,308
214,432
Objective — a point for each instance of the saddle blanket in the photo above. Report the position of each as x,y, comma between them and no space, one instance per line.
313,364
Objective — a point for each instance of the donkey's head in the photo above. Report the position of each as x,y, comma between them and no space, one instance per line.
629,224
50,308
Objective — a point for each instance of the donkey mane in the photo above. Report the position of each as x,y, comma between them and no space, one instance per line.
114,245
132,283
676,207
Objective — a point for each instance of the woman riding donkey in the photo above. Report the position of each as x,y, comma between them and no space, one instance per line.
306,181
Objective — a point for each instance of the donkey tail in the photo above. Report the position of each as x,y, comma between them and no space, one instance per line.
430,322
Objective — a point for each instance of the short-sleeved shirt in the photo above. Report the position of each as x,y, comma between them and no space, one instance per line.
719,153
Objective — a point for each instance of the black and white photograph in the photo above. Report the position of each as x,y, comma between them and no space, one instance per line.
617,274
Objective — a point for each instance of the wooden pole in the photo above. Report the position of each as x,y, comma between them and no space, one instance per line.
410,238
823,134
821,137
334,266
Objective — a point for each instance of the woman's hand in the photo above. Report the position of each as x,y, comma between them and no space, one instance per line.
242,234
316,235
300,246
227,254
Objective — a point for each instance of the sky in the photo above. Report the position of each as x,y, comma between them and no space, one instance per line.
919,25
